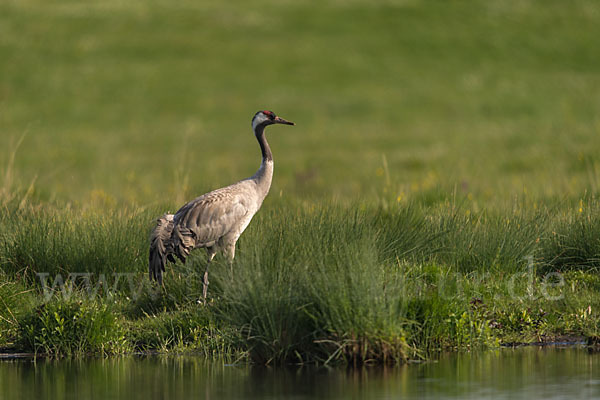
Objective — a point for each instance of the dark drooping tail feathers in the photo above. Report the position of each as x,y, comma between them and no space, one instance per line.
168,240
160,247
183,241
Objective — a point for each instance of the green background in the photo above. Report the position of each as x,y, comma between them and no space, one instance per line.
149,102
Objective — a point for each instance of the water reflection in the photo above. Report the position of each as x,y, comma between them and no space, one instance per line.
532,373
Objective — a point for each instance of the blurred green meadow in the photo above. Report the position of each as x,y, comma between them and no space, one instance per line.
445,159
151,101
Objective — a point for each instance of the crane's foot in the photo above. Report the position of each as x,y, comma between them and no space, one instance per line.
204,302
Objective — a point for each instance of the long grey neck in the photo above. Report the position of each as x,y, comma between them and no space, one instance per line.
264,175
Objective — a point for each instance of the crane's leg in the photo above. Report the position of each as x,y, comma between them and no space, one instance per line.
211,254
230,251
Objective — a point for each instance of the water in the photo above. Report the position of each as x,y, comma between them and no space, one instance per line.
527,373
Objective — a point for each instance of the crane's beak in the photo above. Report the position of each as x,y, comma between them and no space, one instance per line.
282,121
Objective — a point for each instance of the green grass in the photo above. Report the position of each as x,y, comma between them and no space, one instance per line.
445,161
67,328
149,101
322,283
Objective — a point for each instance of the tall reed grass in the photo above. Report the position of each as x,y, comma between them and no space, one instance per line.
311,282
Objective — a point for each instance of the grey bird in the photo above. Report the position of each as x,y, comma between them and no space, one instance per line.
215,220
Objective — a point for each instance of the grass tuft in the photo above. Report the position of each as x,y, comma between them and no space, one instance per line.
71,328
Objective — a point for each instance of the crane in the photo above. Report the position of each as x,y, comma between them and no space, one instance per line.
215,220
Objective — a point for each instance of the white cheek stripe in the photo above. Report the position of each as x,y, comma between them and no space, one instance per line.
259,119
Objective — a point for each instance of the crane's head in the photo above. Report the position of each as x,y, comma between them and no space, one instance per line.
266,117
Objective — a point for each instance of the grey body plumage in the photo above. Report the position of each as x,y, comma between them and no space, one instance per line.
215,220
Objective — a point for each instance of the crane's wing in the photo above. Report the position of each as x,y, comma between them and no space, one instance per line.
208,218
